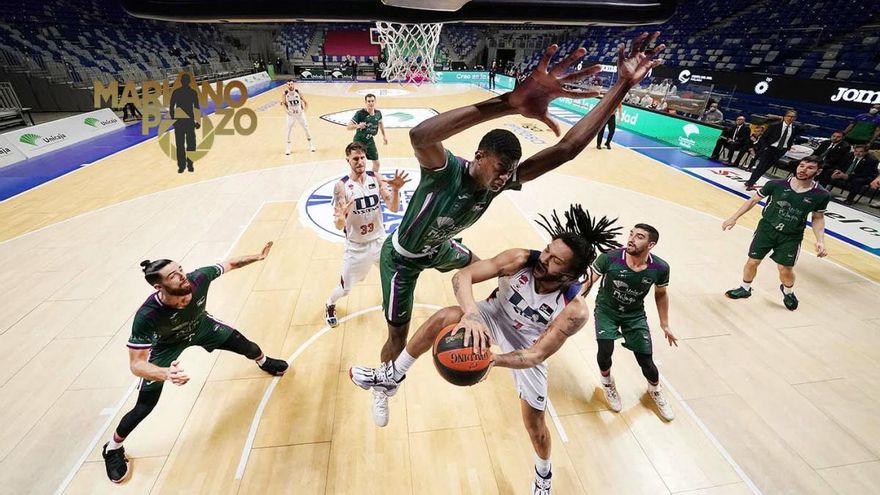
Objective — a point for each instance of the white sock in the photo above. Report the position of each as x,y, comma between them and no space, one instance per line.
542,466
337,293
402,364
606,380
260,360
654,388
787,290
746,285
113,444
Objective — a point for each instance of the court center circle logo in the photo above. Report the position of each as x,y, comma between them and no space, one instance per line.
316,205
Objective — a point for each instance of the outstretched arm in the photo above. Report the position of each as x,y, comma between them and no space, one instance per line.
631,69
748,205
233,263
572,319
506,263
530,99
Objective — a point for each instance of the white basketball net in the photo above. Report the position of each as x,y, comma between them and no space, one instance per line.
410,50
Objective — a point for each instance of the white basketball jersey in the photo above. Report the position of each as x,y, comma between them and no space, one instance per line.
364,220
294,102
524,313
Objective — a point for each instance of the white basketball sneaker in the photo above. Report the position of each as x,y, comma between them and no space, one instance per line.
663,406
541,486
380,408
612,396
381,378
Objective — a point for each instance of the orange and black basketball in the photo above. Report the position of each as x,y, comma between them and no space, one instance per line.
456,362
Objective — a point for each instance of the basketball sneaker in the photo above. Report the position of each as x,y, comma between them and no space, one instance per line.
275,367
541,486
287,150
381,378
311,146
380,408
738,293
612,396
663,406
116,463
790,300
330,315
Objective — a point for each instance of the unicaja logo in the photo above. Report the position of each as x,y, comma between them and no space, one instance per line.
685,141
91,121
30,139
690,129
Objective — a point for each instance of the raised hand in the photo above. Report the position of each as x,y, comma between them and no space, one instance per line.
341,208
533,96
399,180
265,251
634,67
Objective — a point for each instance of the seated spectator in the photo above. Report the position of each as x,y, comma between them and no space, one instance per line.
712,115
833,153
646,101
865,128
753,147
734,139
861,170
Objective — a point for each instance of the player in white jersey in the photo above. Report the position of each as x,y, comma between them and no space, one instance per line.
535,308
295,106
358,213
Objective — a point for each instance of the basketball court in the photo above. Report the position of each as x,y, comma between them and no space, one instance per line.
767,401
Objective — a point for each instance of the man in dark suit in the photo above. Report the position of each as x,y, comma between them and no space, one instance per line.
779,137
861,170
834,153
733,138
755,144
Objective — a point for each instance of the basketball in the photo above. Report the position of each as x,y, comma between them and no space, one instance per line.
456,362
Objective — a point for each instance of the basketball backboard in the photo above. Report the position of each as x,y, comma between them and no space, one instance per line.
571,12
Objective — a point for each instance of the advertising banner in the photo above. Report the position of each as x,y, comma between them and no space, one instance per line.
462,77
9,154
685,134
39,139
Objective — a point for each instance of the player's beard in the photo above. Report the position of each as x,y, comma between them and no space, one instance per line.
178,291
634,251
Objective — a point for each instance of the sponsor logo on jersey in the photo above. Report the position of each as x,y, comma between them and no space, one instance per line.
392,118
316,208
523,279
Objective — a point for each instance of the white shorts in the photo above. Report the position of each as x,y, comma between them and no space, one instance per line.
358,258
297,118
531,383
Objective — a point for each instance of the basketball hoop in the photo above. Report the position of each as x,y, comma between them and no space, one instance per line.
410,50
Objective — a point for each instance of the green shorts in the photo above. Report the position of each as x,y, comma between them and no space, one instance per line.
633,327
399,275
786,247
372,151
210,335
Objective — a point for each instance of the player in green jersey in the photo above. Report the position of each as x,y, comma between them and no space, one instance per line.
627,276
170,320
453,193
366,123
781,228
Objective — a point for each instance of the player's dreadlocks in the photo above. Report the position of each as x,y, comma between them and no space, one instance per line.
584,234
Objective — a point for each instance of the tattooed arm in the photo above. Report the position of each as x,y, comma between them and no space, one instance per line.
233,263
506,263
572,319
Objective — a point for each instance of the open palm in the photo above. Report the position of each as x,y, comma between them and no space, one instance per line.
634,67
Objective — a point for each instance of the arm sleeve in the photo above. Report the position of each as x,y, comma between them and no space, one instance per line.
444,175
601,264
141,333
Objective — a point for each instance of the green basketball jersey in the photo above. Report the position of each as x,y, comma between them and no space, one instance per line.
623,290
446,201
372,121
156,324
787,210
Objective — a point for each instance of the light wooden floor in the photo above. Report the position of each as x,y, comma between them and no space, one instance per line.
767,401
